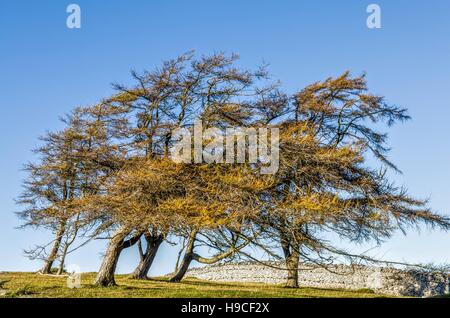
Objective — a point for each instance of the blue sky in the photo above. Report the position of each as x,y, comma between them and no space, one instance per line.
47,69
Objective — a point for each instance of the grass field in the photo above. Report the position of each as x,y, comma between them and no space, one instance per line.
35,285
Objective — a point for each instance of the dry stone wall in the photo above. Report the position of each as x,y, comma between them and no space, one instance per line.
389,281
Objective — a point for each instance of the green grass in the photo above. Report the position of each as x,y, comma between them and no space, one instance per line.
42,286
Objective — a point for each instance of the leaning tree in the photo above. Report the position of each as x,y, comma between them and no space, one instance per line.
173,96
325,183
51,184
110,171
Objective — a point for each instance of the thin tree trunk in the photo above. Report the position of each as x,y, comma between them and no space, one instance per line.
187,259
146,259
67,244
68,194
63,258
105,276
47,268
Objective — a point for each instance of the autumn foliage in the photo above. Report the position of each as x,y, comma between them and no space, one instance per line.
109,173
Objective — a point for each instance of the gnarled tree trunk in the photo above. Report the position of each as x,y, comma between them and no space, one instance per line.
187,259
292,262
105,276
153,242
190,255
47,268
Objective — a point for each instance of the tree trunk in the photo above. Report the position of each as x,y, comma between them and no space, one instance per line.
146,260
187,259
292,267
190,255
291,256
63,259
47,268
68,242
105,276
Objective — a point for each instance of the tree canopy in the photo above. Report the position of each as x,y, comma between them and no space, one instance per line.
111,172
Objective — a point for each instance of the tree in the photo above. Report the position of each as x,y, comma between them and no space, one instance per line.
110,172
324,183
153,239
71,164
48,190
173,96
174,198
104,154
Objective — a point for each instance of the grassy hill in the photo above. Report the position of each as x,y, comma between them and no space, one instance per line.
35,285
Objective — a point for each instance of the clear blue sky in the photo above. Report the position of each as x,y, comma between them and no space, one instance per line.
47,69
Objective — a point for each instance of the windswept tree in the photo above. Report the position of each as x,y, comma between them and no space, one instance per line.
110,173
71,164
325,185
51,185
173,96
153,239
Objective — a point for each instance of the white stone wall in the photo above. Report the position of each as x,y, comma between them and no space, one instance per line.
384,280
